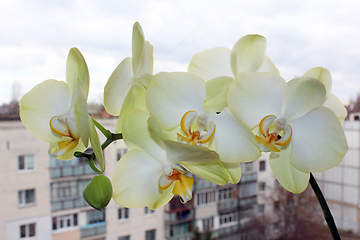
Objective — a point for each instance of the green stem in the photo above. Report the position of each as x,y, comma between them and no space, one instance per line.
90,158
325,208
104,131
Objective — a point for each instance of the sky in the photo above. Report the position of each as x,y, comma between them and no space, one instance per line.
36,36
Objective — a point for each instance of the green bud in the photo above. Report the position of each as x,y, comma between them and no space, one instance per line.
98,192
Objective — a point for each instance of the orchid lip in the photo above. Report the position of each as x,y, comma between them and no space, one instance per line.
183,184
274,132
196,128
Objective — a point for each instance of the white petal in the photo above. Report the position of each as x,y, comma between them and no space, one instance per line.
212,172
247,54
162,133
268,66
117,87
170,95
335,105
96,145
291,178
252,96
211,63
77,73
137,135
303,95
216,93
46,100
234,171
234,142
138,49
82,117
135,99
135,180
177,152
318,141
321,74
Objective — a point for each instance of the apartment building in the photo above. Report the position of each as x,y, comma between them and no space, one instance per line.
41,197
341,184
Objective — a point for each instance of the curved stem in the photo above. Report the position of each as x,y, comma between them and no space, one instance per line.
104,131
90,158
325,208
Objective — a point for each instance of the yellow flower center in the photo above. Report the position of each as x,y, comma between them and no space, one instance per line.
64,126
196,132
274,132
183,184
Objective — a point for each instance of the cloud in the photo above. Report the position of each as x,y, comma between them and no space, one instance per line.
37,35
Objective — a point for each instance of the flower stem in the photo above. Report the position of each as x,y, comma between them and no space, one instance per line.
325,208
90,158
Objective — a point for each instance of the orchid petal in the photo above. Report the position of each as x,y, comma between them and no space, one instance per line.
211,63
335,105
268,66
234,142
252,96
247,54
291,178
170,95
137,135
318,141
77,73
96,145
138,49
46,100
303,95
321,74
148,60
177,152
234,171
81,117
212,172
135,180
162,133
117,87
135,99
216,93
166,196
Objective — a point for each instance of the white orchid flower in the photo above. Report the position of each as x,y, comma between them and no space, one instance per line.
56,112
152,171
175,101
126,86
331,101
289,120
219,66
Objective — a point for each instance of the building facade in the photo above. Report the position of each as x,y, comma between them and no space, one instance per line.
41,197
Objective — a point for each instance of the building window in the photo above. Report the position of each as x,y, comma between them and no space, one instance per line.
225,193
248,166
150,235
120,152
276,226
276,205
228,218
208,223
95,216
65,221
147,210
124,213
28,230
124,238
262,186
204,198
63,190
262,166
261,208
26,197
26,162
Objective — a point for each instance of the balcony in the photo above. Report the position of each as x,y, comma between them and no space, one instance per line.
179,217
70,171
68,204
93,229
248,177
